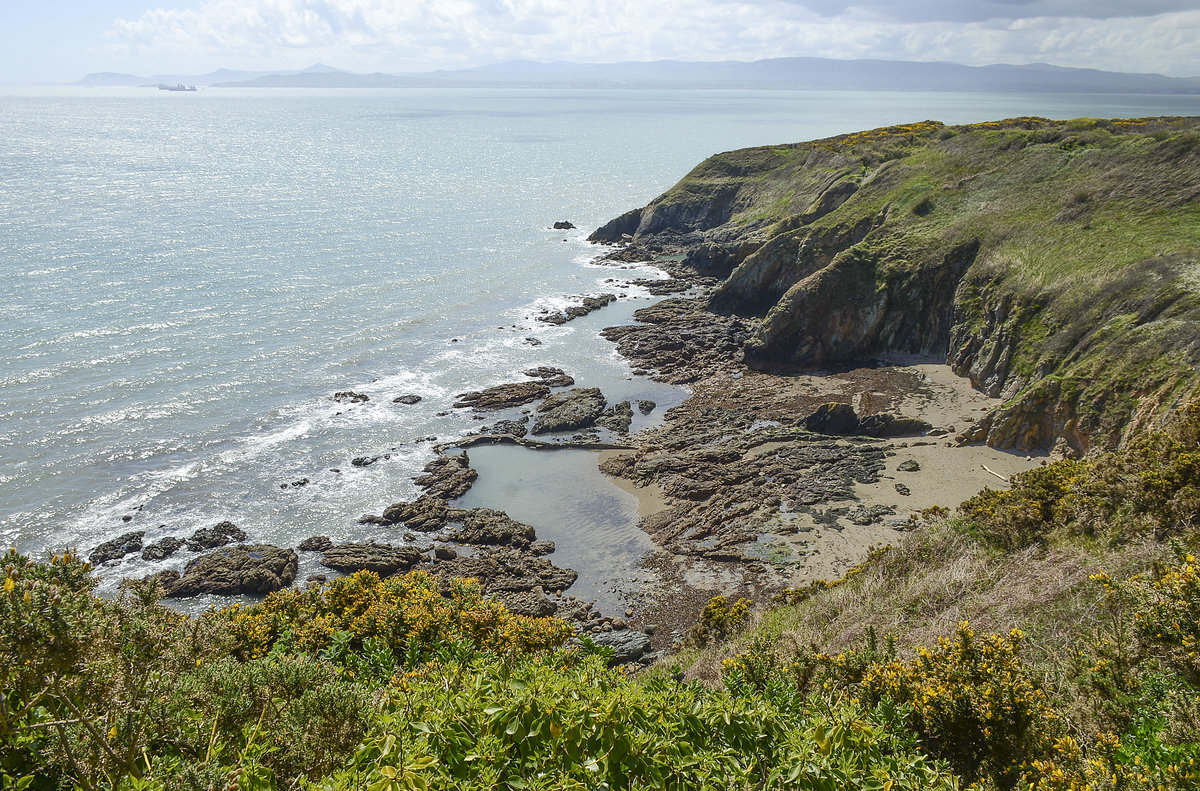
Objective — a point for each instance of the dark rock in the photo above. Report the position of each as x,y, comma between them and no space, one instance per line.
117,548
295,484
406,399
127,518
246,568
316,544
218,535
628,645
380,558
616,418
533,342
444,553
909,465
542,547
350,397
563,225
530,603
163,548
646,406
903,490
425,514
503,396
887,425
833,418
364,461
575,409
448,477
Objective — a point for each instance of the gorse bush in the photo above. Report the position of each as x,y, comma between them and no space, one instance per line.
406,614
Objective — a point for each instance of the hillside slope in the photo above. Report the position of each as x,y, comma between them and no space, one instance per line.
1054,263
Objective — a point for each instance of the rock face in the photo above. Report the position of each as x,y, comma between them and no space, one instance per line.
247,568
117,548
380,558
899,240
315,544
504,396
425,514
574,409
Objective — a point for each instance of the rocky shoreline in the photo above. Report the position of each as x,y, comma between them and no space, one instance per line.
755,483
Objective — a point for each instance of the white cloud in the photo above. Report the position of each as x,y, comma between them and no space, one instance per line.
418,35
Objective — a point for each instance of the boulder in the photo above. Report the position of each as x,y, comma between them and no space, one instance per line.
117,548
628,645
218,535
511,428
246,568
909,465
380,558
408,400
350,397
888,425
574,409
316,544
563,225
833,418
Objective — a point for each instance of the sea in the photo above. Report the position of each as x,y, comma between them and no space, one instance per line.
186,279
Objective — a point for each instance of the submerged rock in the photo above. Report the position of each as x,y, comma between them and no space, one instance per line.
350,397
408,400
588,305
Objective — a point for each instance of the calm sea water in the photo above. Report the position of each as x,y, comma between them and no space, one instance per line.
187,278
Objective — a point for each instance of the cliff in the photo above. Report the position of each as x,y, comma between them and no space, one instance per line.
1056,264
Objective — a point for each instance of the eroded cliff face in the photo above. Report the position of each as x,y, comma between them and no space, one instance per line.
1055,264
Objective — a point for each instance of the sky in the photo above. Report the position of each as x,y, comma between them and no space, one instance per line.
61,40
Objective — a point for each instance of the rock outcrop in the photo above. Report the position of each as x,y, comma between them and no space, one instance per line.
573,409
244,569
1051,262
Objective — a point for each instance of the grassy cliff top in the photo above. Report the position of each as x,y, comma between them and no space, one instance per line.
1055,263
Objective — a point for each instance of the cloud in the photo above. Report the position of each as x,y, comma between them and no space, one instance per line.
986,10
419,35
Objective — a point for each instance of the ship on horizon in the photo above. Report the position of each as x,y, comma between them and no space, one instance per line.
162,86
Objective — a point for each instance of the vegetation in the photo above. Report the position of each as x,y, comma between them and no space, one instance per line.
1048,637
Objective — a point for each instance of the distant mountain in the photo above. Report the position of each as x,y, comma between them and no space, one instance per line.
773,74
212,78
